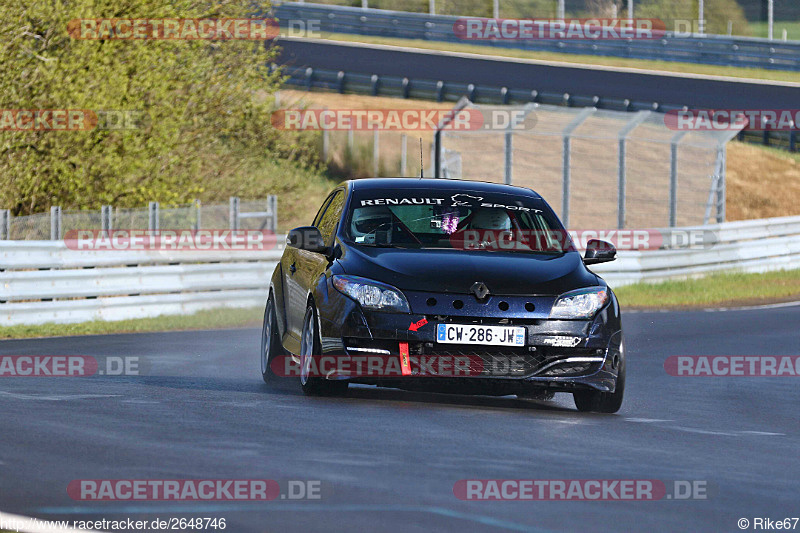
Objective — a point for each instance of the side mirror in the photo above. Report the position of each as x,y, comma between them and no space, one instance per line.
598,251
307,238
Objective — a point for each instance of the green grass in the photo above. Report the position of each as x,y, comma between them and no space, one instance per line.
667,66
212,319
717,289
761,29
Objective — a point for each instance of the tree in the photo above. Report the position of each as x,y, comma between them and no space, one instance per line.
205,105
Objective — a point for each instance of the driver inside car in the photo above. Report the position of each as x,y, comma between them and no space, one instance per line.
488,226
372,224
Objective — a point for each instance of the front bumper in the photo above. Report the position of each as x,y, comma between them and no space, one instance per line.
559,355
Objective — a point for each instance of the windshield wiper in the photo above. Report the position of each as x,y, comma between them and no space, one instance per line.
380,245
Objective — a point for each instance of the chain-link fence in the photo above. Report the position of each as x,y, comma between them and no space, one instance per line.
597,168
363,153
237,214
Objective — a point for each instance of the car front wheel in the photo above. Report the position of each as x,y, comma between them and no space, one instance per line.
603,402
270,342
309,347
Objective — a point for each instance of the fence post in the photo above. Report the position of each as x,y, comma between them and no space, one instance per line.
340,81
197,221
621,177
508,148
432,7
55,223
233,212
437,153
623,136
152,216
5,224
403,154
722,154
271,222
374,81
376,153
701,19
566,168
673,178
105,218
437,136
770,19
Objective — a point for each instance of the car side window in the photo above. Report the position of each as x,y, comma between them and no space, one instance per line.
322,209
327,224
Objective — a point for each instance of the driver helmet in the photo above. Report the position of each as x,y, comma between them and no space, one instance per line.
491,218
368,219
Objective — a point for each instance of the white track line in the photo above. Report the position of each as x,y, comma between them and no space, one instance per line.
27,524
750,307
715,309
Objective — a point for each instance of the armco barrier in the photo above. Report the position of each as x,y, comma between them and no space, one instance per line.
43,281
380,70
746,246
708,49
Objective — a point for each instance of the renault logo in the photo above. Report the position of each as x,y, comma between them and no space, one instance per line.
480,290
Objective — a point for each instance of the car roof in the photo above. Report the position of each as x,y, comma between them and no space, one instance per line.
395,184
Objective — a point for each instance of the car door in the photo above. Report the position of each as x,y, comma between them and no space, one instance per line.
310,265
294,293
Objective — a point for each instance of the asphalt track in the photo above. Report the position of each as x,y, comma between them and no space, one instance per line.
387,459
641,86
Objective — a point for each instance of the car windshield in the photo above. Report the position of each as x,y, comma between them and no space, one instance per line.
455,220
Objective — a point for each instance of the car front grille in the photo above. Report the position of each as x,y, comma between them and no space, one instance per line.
503,361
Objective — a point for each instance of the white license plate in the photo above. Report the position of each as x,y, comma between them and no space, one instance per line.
491,335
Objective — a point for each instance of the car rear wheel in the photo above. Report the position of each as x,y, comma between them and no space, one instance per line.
603,402
310,346
270,342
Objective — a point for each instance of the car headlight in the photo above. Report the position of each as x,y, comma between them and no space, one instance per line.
581,303
372,294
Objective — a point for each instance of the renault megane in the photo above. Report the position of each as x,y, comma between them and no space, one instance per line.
468,287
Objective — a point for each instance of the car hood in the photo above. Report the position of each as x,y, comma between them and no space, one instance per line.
455,271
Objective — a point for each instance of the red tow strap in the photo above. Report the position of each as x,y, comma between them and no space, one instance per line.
405,364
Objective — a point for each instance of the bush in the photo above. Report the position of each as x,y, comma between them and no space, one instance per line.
206,104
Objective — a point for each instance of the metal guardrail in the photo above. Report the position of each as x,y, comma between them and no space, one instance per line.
47,282
709,50
747,246
440,90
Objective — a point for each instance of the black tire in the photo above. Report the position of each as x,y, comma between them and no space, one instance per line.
311,345
270,342
603,402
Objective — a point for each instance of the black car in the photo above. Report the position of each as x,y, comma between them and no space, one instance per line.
451,286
